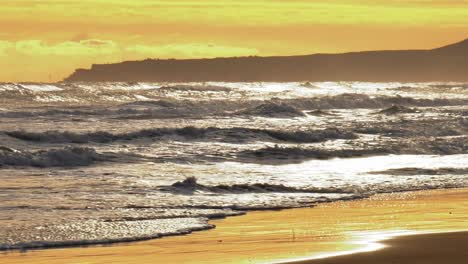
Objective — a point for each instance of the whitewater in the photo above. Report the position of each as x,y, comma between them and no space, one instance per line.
93,163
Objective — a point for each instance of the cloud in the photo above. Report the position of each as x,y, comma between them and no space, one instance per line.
97,42
150,13
96,47
80,36
190,50
27,60
67,48
4,47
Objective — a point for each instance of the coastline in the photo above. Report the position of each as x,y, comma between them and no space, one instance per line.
422,248
288,235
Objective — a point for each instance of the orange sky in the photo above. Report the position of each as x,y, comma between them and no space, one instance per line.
42,40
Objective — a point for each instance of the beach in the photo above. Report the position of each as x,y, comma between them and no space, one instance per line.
127,162
330,229
233,132
428,249
285,171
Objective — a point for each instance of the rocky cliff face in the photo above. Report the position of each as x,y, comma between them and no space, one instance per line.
449,63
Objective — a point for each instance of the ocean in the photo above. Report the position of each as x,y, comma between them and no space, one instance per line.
93,163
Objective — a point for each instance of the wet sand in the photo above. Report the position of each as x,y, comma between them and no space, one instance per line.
281,236
441,248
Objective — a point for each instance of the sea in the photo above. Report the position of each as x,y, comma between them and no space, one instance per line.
97,163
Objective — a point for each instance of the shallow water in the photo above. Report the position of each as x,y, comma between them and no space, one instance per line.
105,162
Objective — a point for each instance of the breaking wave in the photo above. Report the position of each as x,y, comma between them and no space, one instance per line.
272,109
417,128
438,146
195,88
420,171
190,185
397,109
190,132
67,157
354,101
178,107
320,113
288,154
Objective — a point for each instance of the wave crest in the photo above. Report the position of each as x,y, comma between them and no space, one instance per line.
272,109
190,185
67,157
190,132
397,109
430,146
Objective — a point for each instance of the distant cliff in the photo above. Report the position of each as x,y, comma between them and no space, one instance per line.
449,63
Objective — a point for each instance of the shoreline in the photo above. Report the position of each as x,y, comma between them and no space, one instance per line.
281,236
52,245
406,249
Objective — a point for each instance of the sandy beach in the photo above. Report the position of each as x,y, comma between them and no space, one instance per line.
300,234
233,132
427,248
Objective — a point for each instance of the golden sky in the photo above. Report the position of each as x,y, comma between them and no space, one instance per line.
42,40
